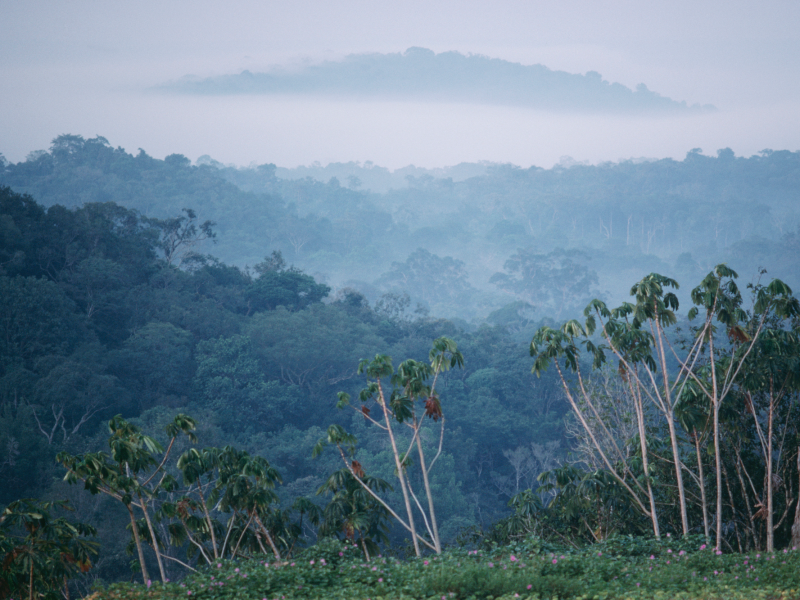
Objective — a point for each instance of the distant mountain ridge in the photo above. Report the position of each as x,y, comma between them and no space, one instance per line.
421,74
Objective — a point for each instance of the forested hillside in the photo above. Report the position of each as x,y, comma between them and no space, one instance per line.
532,235
97,321
141,300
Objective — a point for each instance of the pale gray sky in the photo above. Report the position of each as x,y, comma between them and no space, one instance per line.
83,67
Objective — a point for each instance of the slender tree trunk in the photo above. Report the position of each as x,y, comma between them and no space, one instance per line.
138,545
751,526
733,509
364,547
30,581
796,524
770,516
400,471
702,485
637,403
436,541
269,538
153,537
208,518
717,454
678,470
672,434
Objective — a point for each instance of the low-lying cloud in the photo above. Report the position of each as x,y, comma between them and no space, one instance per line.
419,74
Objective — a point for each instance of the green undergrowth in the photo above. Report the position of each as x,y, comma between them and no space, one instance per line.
615,570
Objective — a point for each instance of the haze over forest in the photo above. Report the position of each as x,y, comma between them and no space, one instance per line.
220,211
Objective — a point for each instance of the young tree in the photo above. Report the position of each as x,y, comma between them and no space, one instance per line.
226,480
130,473
399,406
40,552
354,512
708,367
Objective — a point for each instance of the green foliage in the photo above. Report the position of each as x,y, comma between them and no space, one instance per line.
592,573
40,552
555,283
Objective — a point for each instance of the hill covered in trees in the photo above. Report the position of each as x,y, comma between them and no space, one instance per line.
145,302
592,228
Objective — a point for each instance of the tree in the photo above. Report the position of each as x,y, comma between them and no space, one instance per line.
353,512
40,552
556,282
231,481
180,234
770,375
430,278
398,405
720,299
130,474
278,285
636,335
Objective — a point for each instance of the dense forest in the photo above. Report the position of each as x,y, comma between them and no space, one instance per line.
207,327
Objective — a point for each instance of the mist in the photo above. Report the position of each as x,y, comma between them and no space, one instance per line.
298,130
90,70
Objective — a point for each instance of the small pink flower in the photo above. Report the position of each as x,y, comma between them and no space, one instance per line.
236,570
311,563
652,557
341,553
703,547
425,562
529,586
555,561
513,558
380,579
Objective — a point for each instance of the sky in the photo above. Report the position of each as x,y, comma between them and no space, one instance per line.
87,67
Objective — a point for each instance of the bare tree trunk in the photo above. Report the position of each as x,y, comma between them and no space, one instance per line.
670,414
364,547
400,471
637,402
138,545
678,470
153,537
717,454
269,538
208,518
434,527
702,485
770,516
796,524
733,510
751,526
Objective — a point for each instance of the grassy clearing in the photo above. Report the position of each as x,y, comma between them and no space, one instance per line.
633,571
